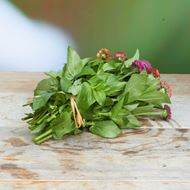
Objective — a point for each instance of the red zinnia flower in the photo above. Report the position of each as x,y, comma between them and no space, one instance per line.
121,56
104,54
155,72
149,70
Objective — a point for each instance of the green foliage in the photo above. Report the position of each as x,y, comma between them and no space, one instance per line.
105,129
128,62
46,85
62,125
85,97
74,64
110,96
41,100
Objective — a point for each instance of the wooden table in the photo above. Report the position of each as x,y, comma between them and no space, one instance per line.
156,156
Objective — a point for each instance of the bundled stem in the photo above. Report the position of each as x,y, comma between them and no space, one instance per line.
43,137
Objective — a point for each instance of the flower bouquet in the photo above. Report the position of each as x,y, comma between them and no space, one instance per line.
101,95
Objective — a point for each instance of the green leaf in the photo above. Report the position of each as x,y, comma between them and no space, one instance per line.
98,82
74,64
133,121
131,107
75,88
143,109
39,128
108,67
128,62
86,60
53,74
41,100
107,82
46,85
114,86
60,98
85,98
156,97
106,129
87,70
152,84
119,118
62,125
100,96
135,86
109,102
117,108
141,87
119,121
111,65
65,84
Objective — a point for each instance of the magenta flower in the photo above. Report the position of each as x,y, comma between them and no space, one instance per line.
141,65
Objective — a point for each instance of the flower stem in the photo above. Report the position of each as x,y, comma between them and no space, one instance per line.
44,117
130,73
161,113
107,114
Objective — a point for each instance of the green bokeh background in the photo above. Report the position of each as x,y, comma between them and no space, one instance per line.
159,28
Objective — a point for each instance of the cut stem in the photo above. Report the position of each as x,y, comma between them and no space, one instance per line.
44,139
43,135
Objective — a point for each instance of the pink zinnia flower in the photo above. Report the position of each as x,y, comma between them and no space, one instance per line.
168,111
120,56
141,65
167,87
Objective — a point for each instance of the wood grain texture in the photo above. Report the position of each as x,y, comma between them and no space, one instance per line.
157,155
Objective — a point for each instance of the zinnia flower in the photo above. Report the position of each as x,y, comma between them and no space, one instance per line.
141,65
121,56
168,112
153,71
149,70
104,54
167,87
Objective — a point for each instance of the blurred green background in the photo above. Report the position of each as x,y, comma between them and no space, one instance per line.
160,29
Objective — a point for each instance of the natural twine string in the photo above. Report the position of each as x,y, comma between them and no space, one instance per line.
79,121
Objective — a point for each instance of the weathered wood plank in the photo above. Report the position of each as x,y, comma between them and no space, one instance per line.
19,82
156,155
151,154
95,184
